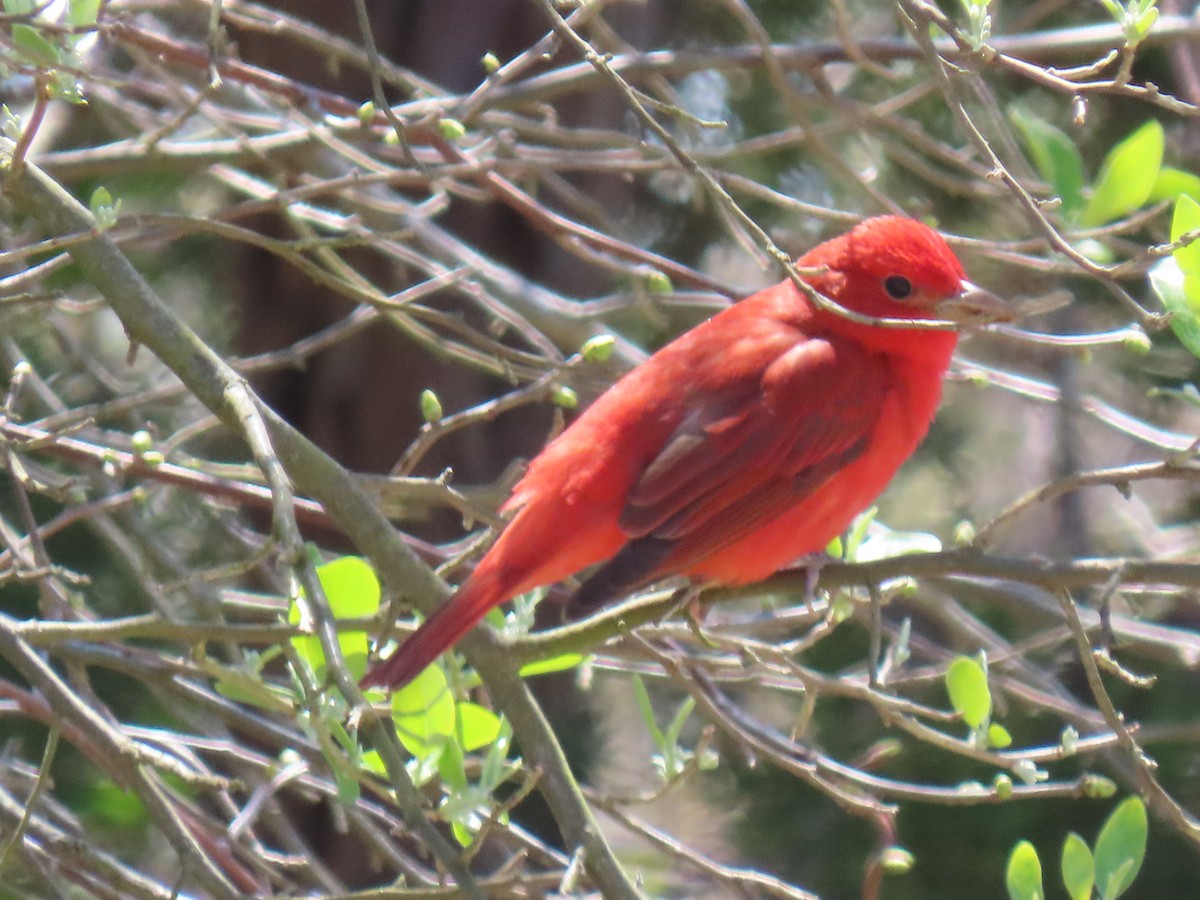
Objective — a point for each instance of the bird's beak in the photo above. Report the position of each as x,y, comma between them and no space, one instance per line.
973,306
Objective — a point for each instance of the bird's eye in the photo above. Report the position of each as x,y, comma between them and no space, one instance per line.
897,286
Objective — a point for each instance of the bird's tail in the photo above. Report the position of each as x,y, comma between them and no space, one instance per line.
438,633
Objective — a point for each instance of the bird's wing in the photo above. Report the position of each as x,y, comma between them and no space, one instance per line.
744,456
809,414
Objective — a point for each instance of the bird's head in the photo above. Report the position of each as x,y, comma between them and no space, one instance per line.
891,267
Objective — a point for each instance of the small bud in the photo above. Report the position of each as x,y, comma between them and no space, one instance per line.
153,458
1003,786
491,63
1098,787
142,441
964,533
658,283
10,123
1138,342
22,370
998,737
1028,772
431,406
391,138
1069,740
564,397
100,198
104,209
896,861
366,113
598,349
978,379
878,753
451,129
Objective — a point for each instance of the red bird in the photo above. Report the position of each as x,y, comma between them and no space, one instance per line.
746,443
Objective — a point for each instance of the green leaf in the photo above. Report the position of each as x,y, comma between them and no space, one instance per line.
1180,296
351,586
1186,219
998,737
493,770
423,713
82,13
113,805
373,763
858,532
452,766
1171,184
1078,869
310,650
647,711
33,43
1127,176
681,716
966,682
1116,881
352,589
553,664
1055,156
1138,30
1024,875
462,834
1120,848
348,789
477,726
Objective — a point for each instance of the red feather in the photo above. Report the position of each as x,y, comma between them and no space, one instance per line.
749,441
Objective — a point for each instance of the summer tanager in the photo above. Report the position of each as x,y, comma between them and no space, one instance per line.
744,444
